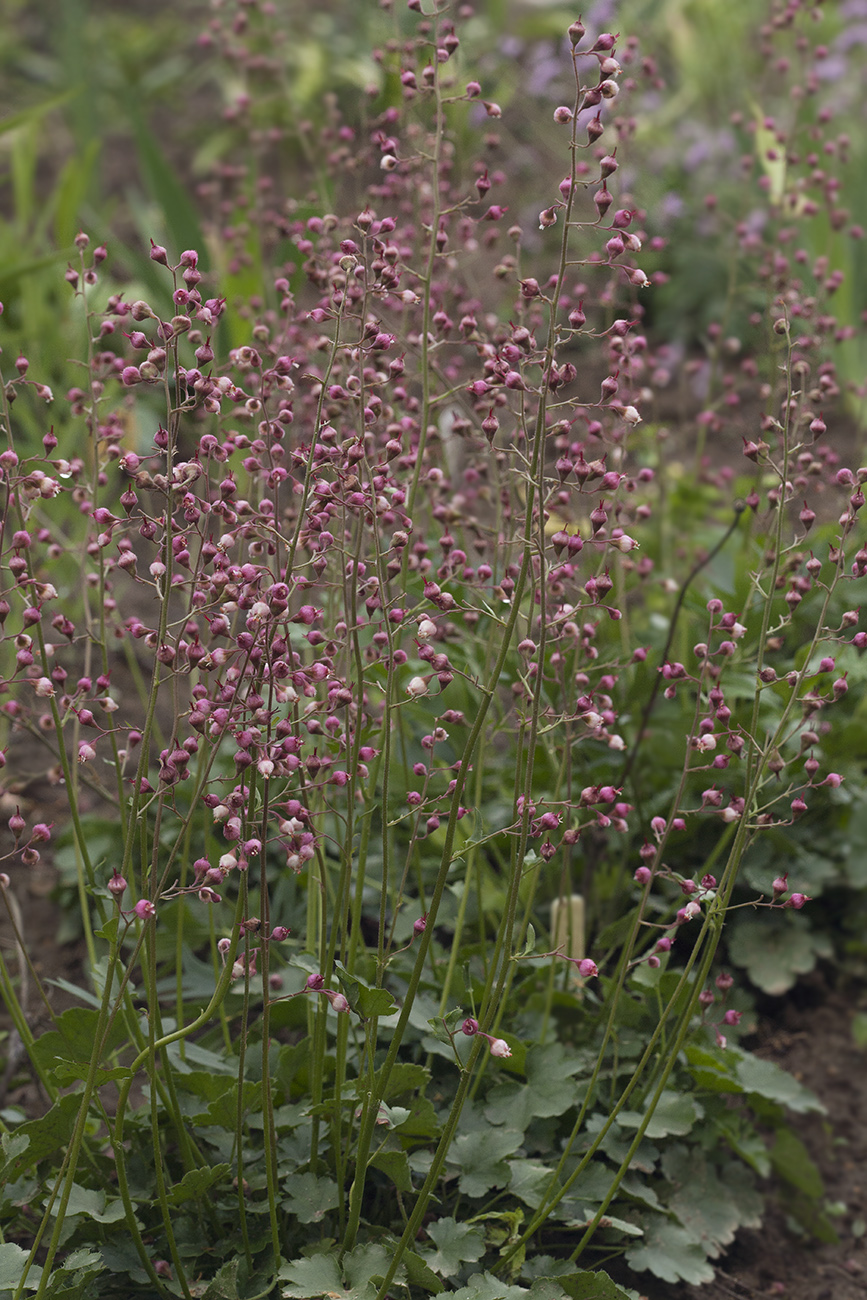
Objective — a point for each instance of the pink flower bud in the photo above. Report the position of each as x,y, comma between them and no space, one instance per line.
797,901
499,1047
117,885
144,909
603,200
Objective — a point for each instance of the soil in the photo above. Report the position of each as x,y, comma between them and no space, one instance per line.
810,1034
815,1043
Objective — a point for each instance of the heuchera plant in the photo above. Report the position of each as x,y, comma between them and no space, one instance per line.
362,655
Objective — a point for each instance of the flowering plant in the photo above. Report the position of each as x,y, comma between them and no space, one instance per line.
367,654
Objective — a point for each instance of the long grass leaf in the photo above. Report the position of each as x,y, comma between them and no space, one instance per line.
165,188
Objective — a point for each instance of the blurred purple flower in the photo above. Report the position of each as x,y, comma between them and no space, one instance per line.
854,35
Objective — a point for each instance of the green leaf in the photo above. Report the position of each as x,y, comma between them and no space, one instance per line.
550,1089
732,1069
404,1077
393,1116
12,1261
668,1251
83,1258
767,1080
481,1157
223,1111
204,1086
624,1227
530,944
423,1122
394,1165
72,1038
66,1072
418,1273
444,1027
362,998
321,1275
484,1286
46,1136
594,1184
546,1288
675,1115
584,1285
745,1142
791,1161
775,952
13,1145
710,1209
167,191
546,1266
109,930
195,1183
92,1202
74,1279
456,1244
310,1198
225,1285
710,1068
529,1180
376,1002
215,1062
33,112
859,1029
